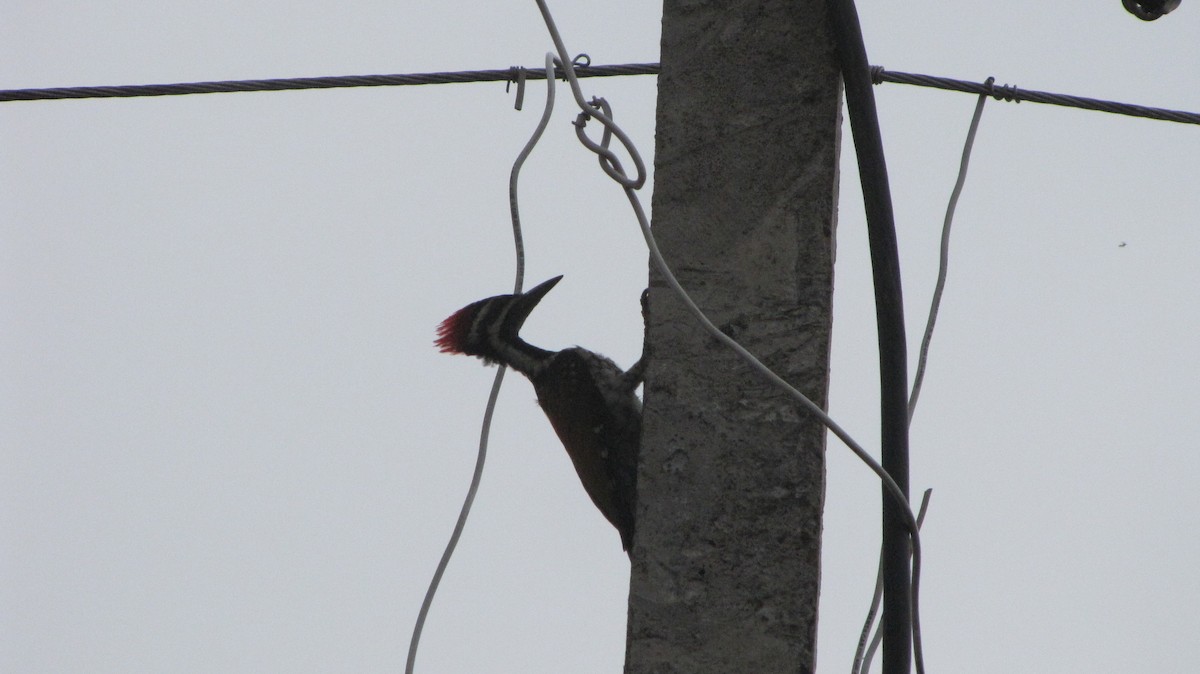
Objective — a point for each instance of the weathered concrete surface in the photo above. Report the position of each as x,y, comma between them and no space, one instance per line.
726,563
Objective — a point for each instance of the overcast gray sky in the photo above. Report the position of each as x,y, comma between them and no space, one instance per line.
227,443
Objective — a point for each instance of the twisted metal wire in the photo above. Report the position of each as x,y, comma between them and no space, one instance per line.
879,75
506,75
1016,95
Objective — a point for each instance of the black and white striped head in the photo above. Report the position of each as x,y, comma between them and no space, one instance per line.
488,328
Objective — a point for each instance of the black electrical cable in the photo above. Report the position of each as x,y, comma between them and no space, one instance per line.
889,314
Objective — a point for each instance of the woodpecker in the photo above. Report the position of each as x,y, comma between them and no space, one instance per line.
589,400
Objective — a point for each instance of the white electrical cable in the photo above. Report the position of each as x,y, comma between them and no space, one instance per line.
514,209
864,654
862,658
590,111
477,476
944,258
656,256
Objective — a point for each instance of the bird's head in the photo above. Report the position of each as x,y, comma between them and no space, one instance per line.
488,328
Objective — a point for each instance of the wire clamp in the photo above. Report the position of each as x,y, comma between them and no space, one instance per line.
1007,93
516,74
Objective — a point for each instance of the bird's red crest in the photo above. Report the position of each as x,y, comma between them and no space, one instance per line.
452,333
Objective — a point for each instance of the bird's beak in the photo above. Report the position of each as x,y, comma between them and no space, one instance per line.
530,298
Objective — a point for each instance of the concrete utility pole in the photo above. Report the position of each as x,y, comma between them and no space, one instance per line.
726,564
